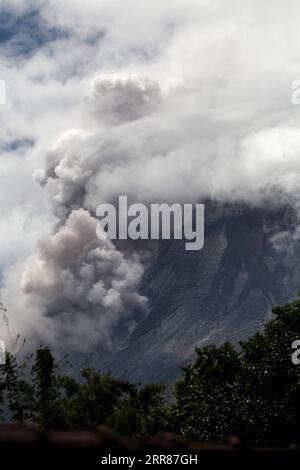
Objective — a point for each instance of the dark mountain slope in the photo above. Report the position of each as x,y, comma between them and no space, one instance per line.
223,292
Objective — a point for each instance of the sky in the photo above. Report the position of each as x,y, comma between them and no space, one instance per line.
162,101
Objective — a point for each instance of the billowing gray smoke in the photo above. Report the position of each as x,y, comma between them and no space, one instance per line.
87,285
81,286
160,101
141,140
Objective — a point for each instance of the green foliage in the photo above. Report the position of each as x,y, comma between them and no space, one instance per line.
269,388
205,396
252,391
47,404
143,412
35,391
16,391
93,401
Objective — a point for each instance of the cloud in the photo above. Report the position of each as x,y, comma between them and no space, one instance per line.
171,102
159,156
117,98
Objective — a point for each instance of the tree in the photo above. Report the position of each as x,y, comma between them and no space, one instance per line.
269,385
16,391
143,412
206,395
47,409
252,391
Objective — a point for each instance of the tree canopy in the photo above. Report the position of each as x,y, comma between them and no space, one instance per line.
251,390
